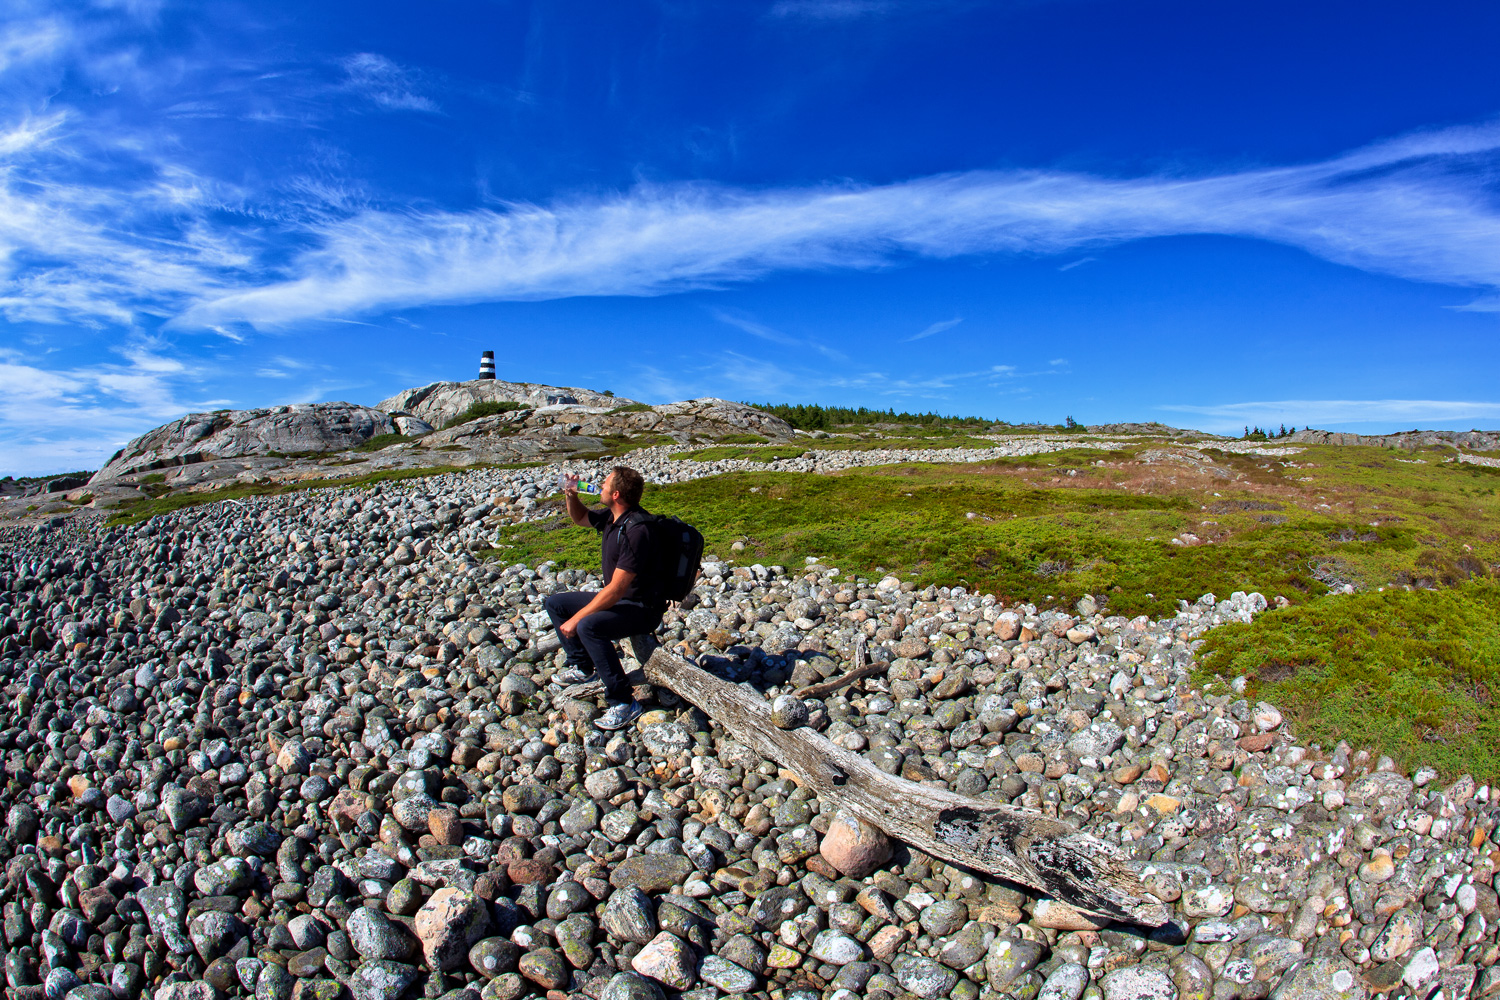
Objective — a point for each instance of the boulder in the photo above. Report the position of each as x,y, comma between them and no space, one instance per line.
856,848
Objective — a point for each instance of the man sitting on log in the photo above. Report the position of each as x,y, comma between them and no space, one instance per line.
589,623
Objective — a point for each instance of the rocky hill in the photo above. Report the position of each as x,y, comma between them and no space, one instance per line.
206,449
440,402
198,437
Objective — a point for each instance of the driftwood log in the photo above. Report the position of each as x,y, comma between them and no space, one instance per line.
1021,845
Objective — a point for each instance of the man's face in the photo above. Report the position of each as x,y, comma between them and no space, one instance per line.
607,491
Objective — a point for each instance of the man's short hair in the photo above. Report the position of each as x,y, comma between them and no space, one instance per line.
630,484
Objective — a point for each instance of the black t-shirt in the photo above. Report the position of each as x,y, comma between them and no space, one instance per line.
627,550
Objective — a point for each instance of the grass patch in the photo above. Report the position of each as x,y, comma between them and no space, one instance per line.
1049,546
485,408
772,453
1050,528
154,477
142,510
743,439
719,453
632,408
1412,675
380,441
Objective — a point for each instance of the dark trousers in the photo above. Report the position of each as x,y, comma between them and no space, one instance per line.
593,647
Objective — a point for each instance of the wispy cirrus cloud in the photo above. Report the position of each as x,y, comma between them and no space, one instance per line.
389,85
1421,207
31,40
1338,412
163,240
855,10
79,250
740,321
935,328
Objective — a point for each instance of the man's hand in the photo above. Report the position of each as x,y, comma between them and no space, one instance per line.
576,510
606,598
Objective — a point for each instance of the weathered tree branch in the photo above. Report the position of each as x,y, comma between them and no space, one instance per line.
1020,845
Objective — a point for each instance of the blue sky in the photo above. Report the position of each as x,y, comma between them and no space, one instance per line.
1207,214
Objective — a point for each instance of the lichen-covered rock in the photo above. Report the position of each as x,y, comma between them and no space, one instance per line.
448,924
1321,978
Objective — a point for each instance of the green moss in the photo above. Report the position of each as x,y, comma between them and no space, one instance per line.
632,408
771,453
1048,546
742,439
1053,527
1409,674
154,477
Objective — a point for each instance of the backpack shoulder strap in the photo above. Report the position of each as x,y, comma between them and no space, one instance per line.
629,519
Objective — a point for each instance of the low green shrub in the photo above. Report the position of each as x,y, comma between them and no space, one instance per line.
485,408
1409,674
380,441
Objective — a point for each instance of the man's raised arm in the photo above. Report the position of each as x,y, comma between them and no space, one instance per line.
576,510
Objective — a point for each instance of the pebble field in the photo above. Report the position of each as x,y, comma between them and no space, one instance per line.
306,746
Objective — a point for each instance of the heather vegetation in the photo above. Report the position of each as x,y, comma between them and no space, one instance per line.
1412,674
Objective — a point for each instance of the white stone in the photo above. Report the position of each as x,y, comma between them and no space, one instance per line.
1422,969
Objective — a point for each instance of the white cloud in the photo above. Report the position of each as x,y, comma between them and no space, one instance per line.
1483,304
159,240
1231,417
1412,207
753,375
756,329
831,10
853,10
387,84
61,419
31,41
935,328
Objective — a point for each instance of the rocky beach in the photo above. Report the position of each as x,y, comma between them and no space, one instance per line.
309,745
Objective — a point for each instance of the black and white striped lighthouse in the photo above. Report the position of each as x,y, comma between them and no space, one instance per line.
487,365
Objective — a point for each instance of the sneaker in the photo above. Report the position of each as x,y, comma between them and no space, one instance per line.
619,715
570,675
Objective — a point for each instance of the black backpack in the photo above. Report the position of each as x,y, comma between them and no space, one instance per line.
675,556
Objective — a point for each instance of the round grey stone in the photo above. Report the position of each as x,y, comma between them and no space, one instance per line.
381,980
922,976
629,986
